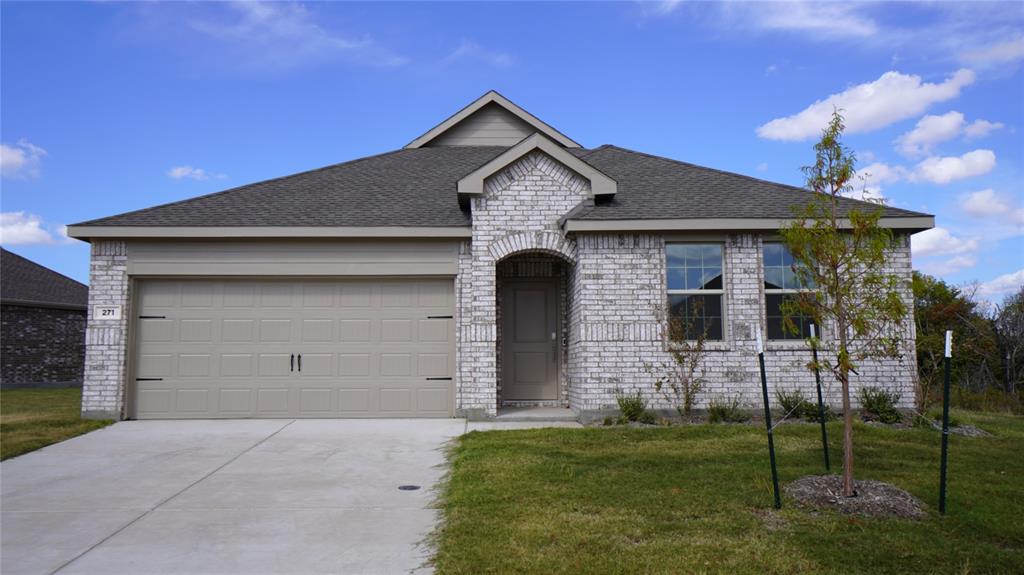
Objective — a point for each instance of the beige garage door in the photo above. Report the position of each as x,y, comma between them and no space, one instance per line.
247,348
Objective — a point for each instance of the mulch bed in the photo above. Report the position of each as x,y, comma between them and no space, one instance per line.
874,498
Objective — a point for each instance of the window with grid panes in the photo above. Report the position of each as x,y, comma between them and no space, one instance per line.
781,284
695,286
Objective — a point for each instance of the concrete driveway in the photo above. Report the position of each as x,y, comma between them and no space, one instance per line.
247,496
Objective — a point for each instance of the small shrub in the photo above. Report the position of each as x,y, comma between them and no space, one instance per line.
631,405
878,404
648,418
609,420
726,410
792,402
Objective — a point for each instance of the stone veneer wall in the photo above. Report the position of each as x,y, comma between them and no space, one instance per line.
615,327
106,340
518,212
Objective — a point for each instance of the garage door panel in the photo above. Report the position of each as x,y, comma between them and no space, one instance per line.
223,348
197,365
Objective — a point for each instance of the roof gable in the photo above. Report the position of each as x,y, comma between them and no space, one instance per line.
491,120
600,184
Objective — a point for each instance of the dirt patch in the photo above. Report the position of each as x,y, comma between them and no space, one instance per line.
874,498
772,521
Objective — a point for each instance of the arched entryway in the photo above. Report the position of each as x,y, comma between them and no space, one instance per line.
532,336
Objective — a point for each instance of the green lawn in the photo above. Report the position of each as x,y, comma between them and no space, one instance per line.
697,499
34,418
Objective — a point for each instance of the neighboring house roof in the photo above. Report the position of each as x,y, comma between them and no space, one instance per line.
25,282
415,191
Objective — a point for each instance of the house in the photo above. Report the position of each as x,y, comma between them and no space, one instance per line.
42,325
491,262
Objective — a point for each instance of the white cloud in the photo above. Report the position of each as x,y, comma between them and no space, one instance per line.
816,19
762,167
938,241
471,51
984,203
998,53
981,128
943,170
932,130
870,106
20,228
21,160
951,265
1004,284
180,172
277,36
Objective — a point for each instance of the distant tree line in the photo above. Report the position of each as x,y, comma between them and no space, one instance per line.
988,358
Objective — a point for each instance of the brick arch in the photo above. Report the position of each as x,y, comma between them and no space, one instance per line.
545,242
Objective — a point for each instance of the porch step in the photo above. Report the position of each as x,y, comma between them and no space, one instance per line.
536,414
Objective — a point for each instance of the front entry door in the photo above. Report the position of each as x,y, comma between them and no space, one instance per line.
529,335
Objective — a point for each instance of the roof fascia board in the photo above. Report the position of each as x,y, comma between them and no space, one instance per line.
916,223
600,184
87,232
496,98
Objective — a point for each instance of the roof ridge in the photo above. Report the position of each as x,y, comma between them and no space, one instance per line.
751,178
236,188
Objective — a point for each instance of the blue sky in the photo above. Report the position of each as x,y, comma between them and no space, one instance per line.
109,107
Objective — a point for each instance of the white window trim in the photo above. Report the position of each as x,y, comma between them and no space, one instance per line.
718,292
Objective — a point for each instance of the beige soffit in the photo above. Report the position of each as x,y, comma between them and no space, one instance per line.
918,223
88,232
495,98
600,184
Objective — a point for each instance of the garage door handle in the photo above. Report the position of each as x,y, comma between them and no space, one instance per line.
291,363
440,317
300,362
439,379
149,379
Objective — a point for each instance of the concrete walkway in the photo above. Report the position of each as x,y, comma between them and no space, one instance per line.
243,496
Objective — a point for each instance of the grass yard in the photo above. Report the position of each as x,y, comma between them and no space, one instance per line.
34,418
697,499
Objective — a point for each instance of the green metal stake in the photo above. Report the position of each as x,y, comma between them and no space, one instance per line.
945,426
768,420
821,404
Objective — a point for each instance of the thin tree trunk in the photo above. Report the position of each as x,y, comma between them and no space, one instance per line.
844,380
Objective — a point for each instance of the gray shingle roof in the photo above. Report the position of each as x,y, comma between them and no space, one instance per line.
417,187
653,187
26,282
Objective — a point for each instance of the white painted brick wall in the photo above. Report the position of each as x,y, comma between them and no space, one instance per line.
518,213
105,339
615,327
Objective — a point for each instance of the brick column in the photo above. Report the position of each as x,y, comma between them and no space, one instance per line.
106,340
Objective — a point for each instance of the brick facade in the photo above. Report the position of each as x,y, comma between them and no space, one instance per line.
103,390
615,299
41,345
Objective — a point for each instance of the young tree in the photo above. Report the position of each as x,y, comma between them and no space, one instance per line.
680,379
842,251
1009,326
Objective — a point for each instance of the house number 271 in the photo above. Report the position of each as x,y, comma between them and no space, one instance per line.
107,312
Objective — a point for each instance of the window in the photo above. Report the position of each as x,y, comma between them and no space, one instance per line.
695,289
781,283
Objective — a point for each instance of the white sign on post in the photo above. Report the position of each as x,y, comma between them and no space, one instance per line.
106,312
949,343
760,345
